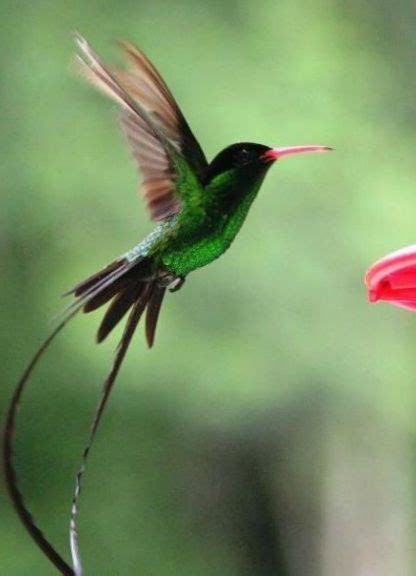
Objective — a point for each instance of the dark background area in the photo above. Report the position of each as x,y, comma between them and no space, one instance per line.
271,431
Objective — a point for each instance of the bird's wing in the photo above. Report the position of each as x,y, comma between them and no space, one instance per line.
163,145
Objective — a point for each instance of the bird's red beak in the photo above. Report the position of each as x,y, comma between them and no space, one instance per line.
277,153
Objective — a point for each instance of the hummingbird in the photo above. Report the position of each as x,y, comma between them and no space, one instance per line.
198,208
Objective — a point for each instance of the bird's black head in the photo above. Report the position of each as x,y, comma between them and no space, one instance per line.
244,156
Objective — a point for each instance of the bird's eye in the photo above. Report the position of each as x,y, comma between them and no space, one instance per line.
243,156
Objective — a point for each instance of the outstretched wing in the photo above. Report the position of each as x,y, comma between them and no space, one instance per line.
158,133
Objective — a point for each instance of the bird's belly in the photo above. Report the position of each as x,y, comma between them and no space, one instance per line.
188,256
197,246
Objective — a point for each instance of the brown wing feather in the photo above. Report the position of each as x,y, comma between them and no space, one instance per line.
143,85
158,175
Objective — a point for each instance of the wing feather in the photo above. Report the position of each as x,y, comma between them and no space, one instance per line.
153,123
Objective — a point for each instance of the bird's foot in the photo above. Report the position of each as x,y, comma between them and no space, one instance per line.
173,283
176,284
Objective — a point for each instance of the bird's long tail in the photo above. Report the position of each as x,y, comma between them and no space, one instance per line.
122,283
134,291
126,286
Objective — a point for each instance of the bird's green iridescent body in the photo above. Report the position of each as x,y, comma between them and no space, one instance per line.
201,232
190,249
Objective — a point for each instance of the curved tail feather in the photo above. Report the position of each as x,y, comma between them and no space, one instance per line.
135,315
128,285
8,456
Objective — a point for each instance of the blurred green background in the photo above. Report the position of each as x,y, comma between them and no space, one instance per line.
271,431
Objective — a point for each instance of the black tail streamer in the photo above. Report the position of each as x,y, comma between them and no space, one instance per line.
8,451
122,348
100,284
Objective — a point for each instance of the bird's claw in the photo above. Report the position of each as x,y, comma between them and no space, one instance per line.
173,283
176,284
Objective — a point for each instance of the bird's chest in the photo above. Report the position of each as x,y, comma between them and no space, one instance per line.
195,248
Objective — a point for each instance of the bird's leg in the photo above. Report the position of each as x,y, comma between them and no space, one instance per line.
177,283
173,283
